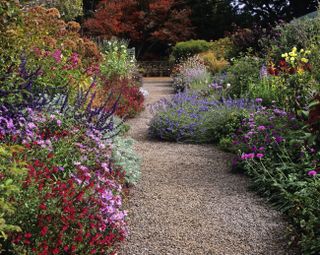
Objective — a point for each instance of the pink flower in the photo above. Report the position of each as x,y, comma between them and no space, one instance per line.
312,173
261,128
245,156
260,155
251,156
57,55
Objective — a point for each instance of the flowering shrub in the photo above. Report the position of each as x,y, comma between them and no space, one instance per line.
85,190
291,63
264,130
214,64
190,118
116,60
69,9
57,159
125,92
192,73
284,168
78,215
53,33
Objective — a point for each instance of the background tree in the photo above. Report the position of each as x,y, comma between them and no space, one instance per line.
212,18
271,11
149,24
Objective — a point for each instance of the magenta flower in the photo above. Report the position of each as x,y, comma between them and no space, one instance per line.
57,55
251,156
245,156
312,173
260,155
261,128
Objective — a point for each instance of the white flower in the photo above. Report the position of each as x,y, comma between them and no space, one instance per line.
144,92
228,85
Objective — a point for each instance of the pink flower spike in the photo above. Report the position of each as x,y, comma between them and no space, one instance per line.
312,173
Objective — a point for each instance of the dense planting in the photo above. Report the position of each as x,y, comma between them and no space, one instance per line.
65,169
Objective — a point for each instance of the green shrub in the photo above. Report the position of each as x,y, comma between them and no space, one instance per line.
269,89
12,171
242,71
183,50
223,48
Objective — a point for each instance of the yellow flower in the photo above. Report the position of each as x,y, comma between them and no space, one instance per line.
308,52
294,49
300,71
293,54
302,50
292,59
285,55
304,60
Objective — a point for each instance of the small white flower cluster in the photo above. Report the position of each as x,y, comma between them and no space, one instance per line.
144,92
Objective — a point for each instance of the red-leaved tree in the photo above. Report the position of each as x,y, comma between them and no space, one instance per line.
141,21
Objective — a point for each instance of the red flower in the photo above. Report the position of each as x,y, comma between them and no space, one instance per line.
44,231
43,206
56,251
28,235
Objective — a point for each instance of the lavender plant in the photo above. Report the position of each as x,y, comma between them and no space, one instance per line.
188,117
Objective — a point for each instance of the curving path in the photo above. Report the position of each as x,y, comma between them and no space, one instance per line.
189,203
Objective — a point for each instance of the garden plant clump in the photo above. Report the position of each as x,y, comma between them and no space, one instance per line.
192,118
65,169
191,74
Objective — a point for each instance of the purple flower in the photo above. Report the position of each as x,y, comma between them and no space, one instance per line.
105,167
312,173
31,125
259,100
59,123
263,72
279,139
261,128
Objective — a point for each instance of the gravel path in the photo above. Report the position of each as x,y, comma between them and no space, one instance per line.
188,202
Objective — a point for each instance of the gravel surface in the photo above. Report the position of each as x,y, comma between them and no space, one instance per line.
188,201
